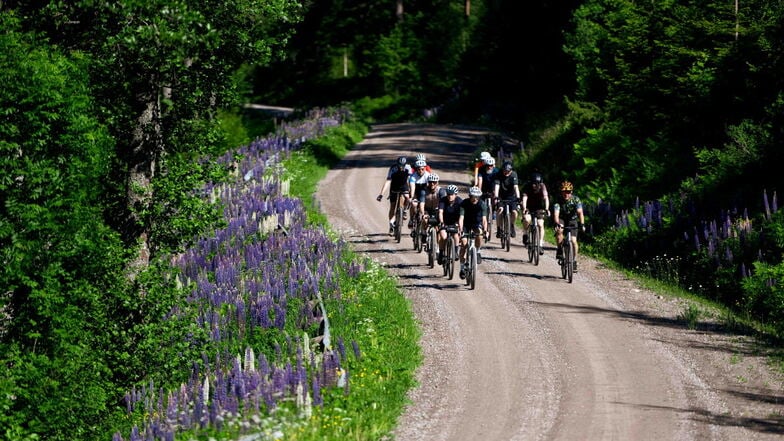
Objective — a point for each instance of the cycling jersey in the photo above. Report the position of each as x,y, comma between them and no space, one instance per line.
432,201
567,209
472,213
488,179
536,198
420,184
398,178
506,189
451,211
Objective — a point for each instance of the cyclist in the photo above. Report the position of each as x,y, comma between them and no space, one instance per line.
473,217
507,189
486,182
397,184
417,182
568,209
479,163
534,196
429,207
448,216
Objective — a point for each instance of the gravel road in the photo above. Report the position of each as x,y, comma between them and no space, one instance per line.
528,356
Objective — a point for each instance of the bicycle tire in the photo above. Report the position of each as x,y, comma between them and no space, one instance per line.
531,248
507,228
563,260
450,257
432,247
536,241
570,265
490,214
398,221
567,258
472,267
415,237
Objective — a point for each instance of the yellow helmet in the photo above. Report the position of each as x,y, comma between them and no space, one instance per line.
566,186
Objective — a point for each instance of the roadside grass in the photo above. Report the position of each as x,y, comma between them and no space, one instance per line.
373,312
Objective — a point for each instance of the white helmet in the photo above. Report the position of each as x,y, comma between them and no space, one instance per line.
475,191
433,178
420,163
490,161
421,156
485,155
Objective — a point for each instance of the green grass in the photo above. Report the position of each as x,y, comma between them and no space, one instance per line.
374,313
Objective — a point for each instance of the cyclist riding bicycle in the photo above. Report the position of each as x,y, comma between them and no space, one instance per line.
473,217
507,190
397,184
448,216
568,210
433,195
535,197
417,184
479,164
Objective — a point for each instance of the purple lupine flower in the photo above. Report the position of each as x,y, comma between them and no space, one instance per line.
357,352
728,254
774,203
765,203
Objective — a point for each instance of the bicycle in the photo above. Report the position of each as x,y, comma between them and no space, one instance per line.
488,198
450,252
568,255
431,241
416,234
400,209
534,235
471,259
505,225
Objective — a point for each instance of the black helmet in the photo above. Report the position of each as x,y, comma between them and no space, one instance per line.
536,178
401,160
507,166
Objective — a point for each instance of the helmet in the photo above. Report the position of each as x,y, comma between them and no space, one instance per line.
536,178
566,186
420,163
401,160
507,166
475,192
485,155
433,178
451,189
420,156
490,161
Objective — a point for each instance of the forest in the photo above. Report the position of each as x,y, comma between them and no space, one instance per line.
123,129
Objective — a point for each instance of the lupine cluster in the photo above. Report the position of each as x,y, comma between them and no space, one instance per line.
242,280
728,242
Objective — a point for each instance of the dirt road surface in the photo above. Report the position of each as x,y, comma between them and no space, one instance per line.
528,356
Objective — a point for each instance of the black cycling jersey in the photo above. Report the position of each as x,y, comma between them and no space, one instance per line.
488,179
536,198
472,213
398,178
451,211
506,185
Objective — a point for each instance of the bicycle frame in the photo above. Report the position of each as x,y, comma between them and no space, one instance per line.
450,252
399,209
505,223
535,236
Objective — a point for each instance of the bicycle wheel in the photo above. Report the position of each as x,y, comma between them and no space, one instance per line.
534,244
530,246
570,264
415,235
471,273
564,251
449,258
506,240
432,247
490,216
398,221
567,261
